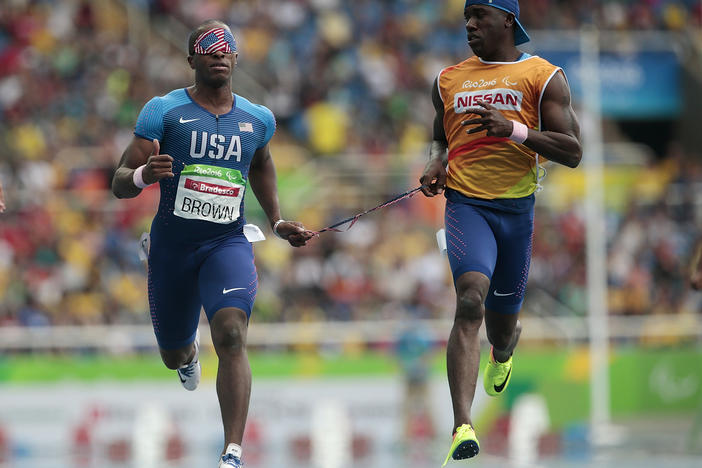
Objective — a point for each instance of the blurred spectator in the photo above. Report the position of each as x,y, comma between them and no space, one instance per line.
2,199
415,352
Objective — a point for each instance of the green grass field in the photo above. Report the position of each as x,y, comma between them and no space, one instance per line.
42,368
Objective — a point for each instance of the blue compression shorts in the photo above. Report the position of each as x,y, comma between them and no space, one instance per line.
495,243
185,278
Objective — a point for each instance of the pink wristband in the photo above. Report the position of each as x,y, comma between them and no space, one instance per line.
137,179
520,132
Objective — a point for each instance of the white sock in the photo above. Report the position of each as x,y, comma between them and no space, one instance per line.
234,449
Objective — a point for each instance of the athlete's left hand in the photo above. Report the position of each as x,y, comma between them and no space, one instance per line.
489,119
294,232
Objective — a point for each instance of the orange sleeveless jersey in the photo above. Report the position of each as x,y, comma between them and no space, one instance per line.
491,167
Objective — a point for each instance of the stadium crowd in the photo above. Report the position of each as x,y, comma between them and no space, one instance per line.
349,84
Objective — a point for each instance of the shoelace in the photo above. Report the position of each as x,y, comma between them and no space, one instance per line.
189,370
500,369
231,460
462,430
501,366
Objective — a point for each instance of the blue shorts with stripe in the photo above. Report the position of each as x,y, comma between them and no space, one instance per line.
186,277
492,241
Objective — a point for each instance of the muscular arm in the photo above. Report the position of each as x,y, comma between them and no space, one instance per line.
140,152
439,143
265,186
559,140
434,176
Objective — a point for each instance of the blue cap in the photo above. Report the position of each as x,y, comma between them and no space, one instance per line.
510,6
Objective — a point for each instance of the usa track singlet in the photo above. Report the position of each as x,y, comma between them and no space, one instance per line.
212,154
199,257
490,167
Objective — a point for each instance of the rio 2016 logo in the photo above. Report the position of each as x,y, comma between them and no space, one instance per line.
207,171
478,84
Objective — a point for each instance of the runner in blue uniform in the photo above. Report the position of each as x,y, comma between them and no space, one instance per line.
202,144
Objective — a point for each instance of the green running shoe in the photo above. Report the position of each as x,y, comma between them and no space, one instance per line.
497,375
465,444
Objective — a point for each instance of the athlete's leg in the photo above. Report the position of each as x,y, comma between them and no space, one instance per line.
175,358
228,284
229,327
472,252
174,302
503,331
463,348
513,235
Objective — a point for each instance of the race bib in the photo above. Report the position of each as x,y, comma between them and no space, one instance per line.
209,193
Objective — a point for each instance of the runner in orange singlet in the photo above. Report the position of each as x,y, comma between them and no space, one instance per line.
499,115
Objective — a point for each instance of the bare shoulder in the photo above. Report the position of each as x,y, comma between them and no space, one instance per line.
557,89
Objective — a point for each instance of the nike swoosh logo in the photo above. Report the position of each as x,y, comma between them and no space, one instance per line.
226,291
182,120
182,380
502,295
499,388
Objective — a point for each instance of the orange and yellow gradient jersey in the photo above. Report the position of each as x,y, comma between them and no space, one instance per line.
491,167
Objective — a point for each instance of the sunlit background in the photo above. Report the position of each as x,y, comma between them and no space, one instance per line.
347,336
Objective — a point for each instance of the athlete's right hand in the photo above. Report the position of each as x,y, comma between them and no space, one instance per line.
158,166
433,179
